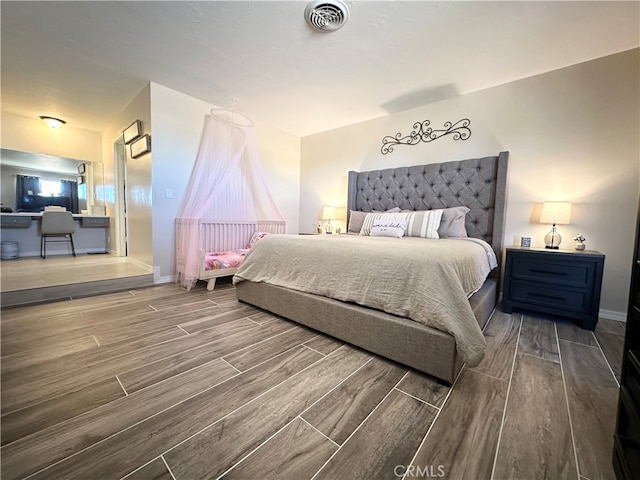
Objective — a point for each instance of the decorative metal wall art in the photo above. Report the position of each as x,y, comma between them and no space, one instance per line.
422,132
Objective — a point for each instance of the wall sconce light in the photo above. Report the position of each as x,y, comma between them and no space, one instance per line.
52,122
555,213
327,214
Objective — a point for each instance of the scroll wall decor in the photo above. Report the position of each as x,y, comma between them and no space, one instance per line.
422,132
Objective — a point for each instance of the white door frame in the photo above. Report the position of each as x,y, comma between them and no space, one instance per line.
121,220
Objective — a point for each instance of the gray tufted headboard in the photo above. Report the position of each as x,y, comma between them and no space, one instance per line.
478,183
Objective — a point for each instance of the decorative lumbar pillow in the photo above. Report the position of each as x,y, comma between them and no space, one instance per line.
255,237
383,228
452,224
381,218
356,218
424,223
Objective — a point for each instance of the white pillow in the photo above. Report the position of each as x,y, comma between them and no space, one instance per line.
389,228
387,218
356,218
424,223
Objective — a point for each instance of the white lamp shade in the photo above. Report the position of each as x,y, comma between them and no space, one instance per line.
556,212
328,213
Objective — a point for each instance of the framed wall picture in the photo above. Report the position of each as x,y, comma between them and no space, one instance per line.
140,146
132,132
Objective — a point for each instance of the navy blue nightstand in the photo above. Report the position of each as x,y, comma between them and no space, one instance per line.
561,282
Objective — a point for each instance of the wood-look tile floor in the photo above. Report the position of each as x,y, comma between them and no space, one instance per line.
160,383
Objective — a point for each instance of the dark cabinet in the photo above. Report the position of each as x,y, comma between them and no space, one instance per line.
626,443
561,282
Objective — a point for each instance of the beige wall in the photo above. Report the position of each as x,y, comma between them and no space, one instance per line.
32,135
572,135
178,120
139,196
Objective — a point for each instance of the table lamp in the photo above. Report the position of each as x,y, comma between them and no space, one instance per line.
327,214
555,213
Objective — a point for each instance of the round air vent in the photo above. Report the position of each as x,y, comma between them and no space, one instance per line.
326,16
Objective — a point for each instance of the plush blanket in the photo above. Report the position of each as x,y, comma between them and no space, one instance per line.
426,280
223,260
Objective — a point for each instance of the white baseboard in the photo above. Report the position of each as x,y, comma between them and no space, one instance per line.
57,253
166,279
613,315
139,263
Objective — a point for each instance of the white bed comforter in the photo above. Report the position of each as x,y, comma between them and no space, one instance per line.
428,281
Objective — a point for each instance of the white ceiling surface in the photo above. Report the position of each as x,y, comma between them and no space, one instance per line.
84,61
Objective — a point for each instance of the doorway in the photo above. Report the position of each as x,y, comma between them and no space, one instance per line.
120,162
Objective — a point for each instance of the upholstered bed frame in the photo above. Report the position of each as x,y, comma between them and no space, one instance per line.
479,184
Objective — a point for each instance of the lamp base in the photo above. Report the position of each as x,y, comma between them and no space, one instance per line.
552,239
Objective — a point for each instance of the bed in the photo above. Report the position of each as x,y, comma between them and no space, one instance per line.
478,184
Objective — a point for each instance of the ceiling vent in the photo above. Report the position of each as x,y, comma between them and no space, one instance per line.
326,16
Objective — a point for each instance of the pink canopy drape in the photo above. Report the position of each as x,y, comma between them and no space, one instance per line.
227,183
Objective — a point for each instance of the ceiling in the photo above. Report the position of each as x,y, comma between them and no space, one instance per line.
84,61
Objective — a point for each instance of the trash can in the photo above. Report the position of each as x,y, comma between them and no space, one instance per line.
10,250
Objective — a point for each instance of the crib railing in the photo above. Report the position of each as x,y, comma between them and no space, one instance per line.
215,236
222,235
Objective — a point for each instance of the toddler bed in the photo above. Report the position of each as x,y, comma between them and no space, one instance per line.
224,244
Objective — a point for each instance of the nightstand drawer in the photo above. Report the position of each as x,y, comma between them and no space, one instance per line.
574,274
535,294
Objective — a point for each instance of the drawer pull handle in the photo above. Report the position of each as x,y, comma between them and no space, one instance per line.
542,295
535,270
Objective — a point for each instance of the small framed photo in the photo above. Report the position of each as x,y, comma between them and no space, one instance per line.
140,146
525,241
82,168
132,132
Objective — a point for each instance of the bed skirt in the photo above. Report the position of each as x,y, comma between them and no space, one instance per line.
402,340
